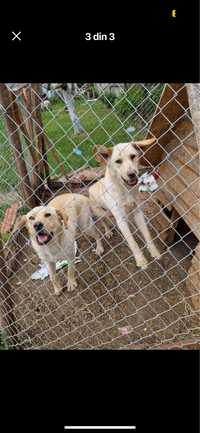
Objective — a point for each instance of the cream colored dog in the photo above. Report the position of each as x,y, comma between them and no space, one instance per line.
118,190
53,230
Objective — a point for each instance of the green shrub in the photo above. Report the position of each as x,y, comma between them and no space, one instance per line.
108,99
156,93
152,99
126,103
153,91
141,98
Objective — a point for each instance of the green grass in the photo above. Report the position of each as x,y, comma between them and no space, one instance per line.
3,209
101,127
8,176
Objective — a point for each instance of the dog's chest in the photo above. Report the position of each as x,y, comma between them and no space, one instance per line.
55,253
120,197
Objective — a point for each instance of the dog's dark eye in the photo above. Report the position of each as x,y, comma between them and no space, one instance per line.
31,218
118,161
47,215
132,157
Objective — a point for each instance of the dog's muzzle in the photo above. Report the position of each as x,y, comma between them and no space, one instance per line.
131,181
42,236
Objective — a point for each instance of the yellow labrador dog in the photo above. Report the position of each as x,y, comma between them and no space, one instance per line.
116,191
53,230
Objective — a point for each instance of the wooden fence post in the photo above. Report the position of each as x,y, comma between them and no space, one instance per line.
7,318
193,280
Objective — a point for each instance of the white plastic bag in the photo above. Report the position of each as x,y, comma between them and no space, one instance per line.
42,272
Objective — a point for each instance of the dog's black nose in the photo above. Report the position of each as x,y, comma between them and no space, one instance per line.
38,226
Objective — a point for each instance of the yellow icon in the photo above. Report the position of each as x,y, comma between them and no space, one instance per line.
174,13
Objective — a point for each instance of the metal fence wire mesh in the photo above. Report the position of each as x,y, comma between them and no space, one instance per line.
48,142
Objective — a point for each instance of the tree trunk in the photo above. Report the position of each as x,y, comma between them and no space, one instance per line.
27,127
7,319
14,138
68,100
40,135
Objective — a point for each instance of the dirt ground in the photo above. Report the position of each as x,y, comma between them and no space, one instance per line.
116,305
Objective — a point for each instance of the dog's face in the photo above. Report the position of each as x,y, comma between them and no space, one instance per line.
123,160
43,223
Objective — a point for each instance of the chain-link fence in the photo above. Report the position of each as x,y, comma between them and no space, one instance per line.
49,138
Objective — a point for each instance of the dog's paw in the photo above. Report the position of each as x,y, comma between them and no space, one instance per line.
155,253
109,234
141,262
58,290
71,285
99,250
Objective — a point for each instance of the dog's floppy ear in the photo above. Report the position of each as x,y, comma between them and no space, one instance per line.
102,153
143,143
63,217
20,223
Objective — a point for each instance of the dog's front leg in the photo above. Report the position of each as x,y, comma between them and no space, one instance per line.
71,256
142,226
71,283
141,262
54,278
